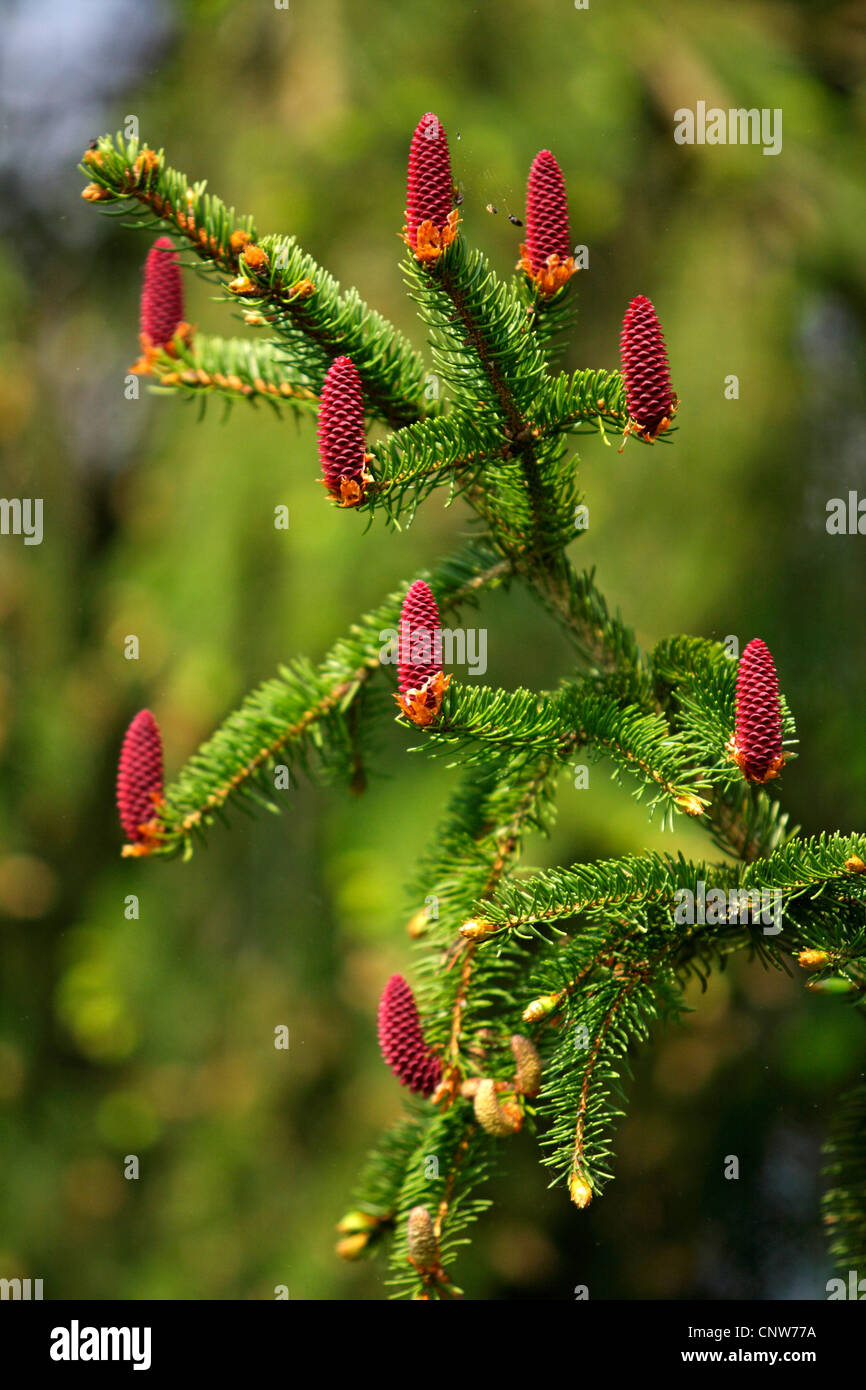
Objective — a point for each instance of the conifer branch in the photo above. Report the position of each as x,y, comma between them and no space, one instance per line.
614,887
280,284
582,1093
483,720
465,1159
300,715
232,369
481,345
583,403
604,945
473,850
407,466
463,1002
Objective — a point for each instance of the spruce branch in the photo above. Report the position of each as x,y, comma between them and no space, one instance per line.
482,721
464,1003
481,346
300,716
277,283
623,887
582,1095
583,403
475,847
478,335
407,466
464,1159
602,945
232,369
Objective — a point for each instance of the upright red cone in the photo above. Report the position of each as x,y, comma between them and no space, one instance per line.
161,294
419,672
402,1041
757,744
431,218
546,257
342,448
651,401
139,780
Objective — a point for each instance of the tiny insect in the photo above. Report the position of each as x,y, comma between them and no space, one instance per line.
515,221
92,145
491,208
457,193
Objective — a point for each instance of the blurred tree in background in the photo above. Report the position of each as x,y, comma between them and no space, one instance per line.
155,1036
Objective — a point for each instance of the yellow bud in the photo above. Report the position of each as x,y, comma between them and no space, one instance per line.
579,1190
476,929
418,924
540,1008
855,865
352,1247
692,805
355,1221
812,960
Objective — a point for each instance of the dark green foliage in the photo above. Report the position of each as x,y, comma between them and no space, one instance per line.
406,467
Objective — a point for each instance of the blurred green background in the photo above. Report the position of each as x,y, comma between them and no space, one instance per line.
155,1036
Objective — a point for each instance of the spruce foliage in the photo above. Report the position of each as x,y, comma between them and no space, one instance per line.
585,961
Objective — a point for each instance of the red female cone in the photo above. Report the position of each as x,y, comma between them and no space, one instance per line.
431,220
651,401
161,316
161,294
757,744
342,448
402,1041
139,780
419,671
545,257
